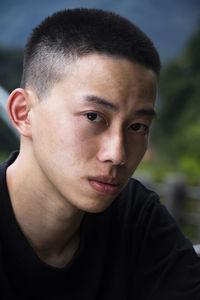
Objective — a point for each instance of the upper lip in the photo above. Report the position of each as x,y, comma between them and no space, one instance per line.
105,179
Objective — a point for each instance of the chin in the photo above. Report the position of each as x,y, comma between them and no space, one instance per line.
96,206
95,210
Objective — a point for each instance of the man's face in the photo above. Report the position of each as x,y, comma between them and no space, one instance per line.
91,131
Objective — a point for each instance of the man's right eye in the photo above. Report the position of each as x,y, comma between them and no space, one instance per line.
94,117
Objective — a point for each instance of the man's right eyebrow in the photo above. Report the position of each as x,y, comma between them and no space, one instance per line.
108,104
103,102
146,112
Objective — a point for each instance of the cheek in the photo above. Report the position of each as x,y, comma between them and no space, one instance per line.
142,148
77,143
136,150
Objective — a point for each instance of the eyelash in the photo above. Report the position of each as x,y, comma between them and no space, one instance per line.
134,127
93,114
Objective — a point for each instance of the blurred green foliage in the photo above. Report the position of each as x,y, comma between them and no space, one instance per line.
11,60
176,132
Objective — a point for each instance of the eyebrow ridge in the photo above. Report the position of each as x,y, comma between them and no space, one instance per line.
146,112
101,101
141,112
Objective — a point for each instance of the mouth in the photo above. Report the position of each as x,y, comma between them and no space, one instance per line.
104,184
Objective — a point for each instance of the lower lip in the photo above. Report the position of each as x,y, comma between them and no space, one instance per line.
104,188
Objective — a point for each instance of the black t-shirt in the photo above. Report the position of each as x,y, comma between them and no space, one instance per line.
132,250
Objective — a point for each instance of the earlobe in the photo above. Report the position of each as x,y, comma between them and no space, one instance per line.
18,110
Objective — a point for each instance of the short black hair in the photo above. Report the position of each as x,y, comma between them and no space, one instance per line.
70,34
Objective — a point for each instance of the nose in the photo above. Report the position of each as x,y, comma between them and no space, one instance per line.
112,149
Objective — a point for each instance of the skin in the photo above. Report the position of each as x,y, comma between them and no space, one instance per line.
79,147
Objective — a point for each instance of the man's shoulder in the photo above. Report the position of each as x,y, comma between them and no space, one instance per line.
3,168
136,188
137,195
5,164
134,204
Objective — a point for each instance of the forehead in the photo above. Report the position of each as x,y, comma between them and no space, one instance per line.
110,73
119,80
118,69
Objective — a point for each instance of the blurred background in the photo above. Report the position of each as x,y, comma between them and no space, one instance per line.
172,163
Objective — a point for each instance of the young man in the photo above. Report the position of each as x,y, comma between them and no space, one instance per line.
73,225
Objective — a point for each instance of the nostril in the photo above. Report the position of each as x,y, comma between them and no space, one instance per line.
113,148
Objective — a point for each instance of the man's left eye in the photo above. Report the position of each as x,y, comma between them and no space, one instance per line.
94,117
138,127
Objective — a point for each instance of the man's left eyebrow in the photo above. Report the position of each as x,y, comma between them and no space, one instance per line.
146,112
106,103
101,101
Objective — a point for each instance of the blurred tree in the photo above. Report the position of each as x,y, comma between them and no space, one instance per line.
11,61
177,130
10,75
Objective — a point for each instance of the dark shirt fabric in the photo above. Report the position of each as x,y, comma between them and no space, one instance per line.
132,250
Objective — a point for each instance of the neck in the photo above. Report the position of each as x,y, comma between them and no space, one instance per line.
50,223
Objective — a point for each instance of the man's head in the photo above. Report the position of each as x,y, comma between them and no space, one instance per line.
97,74
70,34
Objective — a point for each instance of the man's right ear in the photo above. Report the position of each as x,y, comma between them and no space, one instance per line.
18,110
